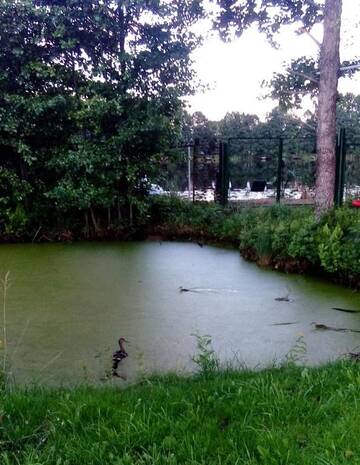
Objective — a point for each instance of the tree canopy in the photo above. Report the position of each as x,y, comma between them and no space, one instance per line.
89,96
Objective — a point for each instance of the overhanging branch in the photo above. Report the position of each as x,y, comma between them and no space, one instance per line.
304,75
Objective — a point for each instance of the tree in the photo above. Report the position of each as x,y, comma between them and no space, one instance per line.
89,98
326,114
270,16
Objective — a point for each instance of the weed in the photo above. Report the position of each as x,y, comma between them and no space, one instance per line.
4,286
206,359
298,352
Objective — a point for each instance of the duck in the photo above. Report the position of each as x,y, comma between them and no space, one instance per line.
118,356
183,289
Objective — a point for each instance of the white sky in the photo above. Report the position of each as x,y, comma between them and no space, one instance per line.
236,70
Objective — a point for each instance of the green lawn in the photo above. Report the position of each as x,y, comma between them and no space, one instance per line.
278,416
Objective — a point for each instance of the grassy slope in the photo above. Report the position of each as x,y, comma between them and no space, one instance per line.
284,416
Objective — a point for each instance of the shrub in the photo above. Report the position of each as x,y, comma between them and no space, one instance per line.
17,221
330,248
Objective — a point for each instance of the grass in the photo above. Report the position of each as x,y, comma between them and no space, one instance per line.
4,286
278,416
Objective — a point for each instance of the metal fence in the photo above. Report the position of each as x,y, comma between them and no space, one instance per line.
171,174
351,175
190,171
243,170
247,170
265,170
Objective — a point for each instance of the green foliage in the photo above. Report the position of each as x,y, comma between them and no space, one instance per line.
298,81
269,16
206,358
304,240
16,222
89,100
330,247
297,354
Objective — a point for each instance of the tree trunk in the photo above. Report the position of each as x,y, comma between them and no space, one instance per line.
109,216
94,221
122,23
326,129
87,228
131,214
119,215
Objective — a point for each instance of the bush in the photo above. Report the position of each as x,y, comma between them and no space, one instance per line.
17,221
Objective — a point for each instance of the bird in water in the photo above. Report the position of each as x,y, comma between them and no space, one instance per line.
118,356
183,289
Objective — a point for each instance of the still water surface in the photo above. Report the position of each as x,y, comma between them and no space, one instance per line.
68,305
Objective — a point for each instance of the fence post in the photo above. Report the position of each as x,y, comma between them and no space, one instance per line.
337,170
223,173
225,186
279,170
340,167
219,176
189,170
195,154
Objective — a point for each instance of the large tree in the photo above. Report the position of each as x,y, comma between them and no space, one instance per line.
326,114
90,92
271,15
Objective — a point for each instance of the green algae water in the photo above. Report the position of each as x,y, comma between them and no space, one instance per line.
68,305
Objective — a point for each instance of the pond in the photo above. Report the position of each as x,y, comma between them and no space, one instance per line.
69,303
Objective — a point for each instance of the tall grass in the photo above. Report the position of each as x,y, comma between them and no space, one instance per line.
5,284
286,416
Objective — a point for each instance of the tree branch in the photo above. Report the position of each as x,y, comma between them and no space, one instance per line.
304,30
310,126
304,75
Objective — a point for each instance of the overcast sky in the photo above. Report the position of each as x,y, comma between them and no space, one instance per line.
236,70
